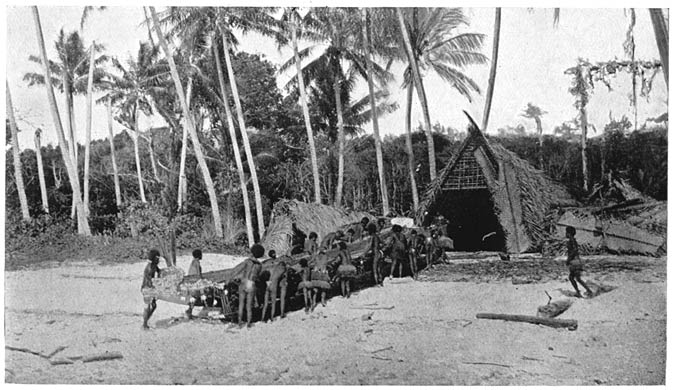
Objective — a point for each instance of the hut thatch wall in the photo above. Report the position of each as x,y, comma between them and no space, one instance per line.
522,198
308,217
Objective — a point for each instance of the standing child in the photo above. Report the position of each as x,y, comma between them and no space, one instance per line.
416,244
398,250
375,253
305,284
277,281
151,270
320,278
346,271
247,286
195,269
574,262
311,247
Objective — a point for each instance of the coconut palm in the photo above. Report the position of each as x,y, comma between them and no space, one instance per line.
661,34
18,172
130,93
221,22
340,34
210,189
535,113
431,43
365,27
116,177
82,222
73,71
493,67
295,22
41,171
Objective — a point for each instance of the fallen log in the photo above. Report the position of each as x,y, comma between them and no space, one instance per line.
552,322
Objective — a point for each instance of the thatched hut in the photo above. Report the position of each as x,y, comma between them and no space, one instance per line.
308,217
485,189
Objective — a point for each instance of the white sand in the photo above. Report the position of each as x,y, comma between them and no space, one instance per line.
431,336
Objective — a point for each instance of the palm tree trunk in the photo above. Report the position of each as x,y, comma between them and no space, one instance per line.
493,68
208,182
305,112
87,139
71,137
116,177
661,34
182,179
540,132
341,136
244,139
373,114
16,153
409,148
235,147
584,156
82,222
41,172
420,93
137,155
153,160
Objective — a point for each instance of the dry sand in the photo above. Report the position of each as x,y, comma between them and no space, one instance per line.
430,336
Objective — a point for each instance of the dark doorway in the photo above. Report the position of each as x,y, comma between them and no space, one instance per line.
471,216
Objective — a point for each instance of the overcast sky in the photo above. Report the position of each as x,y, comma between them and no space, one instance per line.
533,56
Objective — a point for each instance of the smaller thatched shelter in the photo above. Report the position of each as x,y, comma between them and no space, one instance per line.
308,217
485,190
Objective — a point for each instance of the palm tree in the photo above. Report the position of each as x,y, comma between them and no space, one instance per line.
493,67
116,177
534,112
16,153
82,222
579,90
131,94
294,21
73,69
371,93
661,34
210,189
339,35
41,171
430,43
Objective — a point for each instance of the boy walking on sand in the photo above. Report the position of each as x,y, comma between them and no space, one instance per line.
151,270
195,269
574,262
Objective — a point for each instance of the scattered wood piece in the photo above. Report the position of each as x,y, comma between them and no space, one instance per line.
552,322
380,358
553,309
467,324
60,361
57,350
373,308
98,357
25,350
382,349
530,358
488,364
560,356
368,331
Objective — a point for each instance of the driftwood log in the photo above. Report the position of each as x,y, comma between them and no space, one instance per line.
552,322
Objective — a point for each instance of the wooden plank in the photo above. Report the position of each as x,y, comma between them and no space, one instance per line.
552,322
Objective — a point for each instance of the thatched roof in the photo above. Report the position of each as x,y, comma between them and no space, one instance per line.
522,195
308,217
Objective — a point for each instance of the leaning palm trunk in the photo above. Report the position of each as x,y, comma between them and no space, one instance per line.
116,177
182,179
409,148
584,156
71,133
244,139
341,138
661,34
373,114
235,147
305,112
18,173
137,155
540,132
493,68
82,222
41,172
208,182
420,93
87,136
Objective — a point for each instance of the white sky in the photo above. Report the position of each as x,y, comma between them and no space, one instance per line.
533,56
